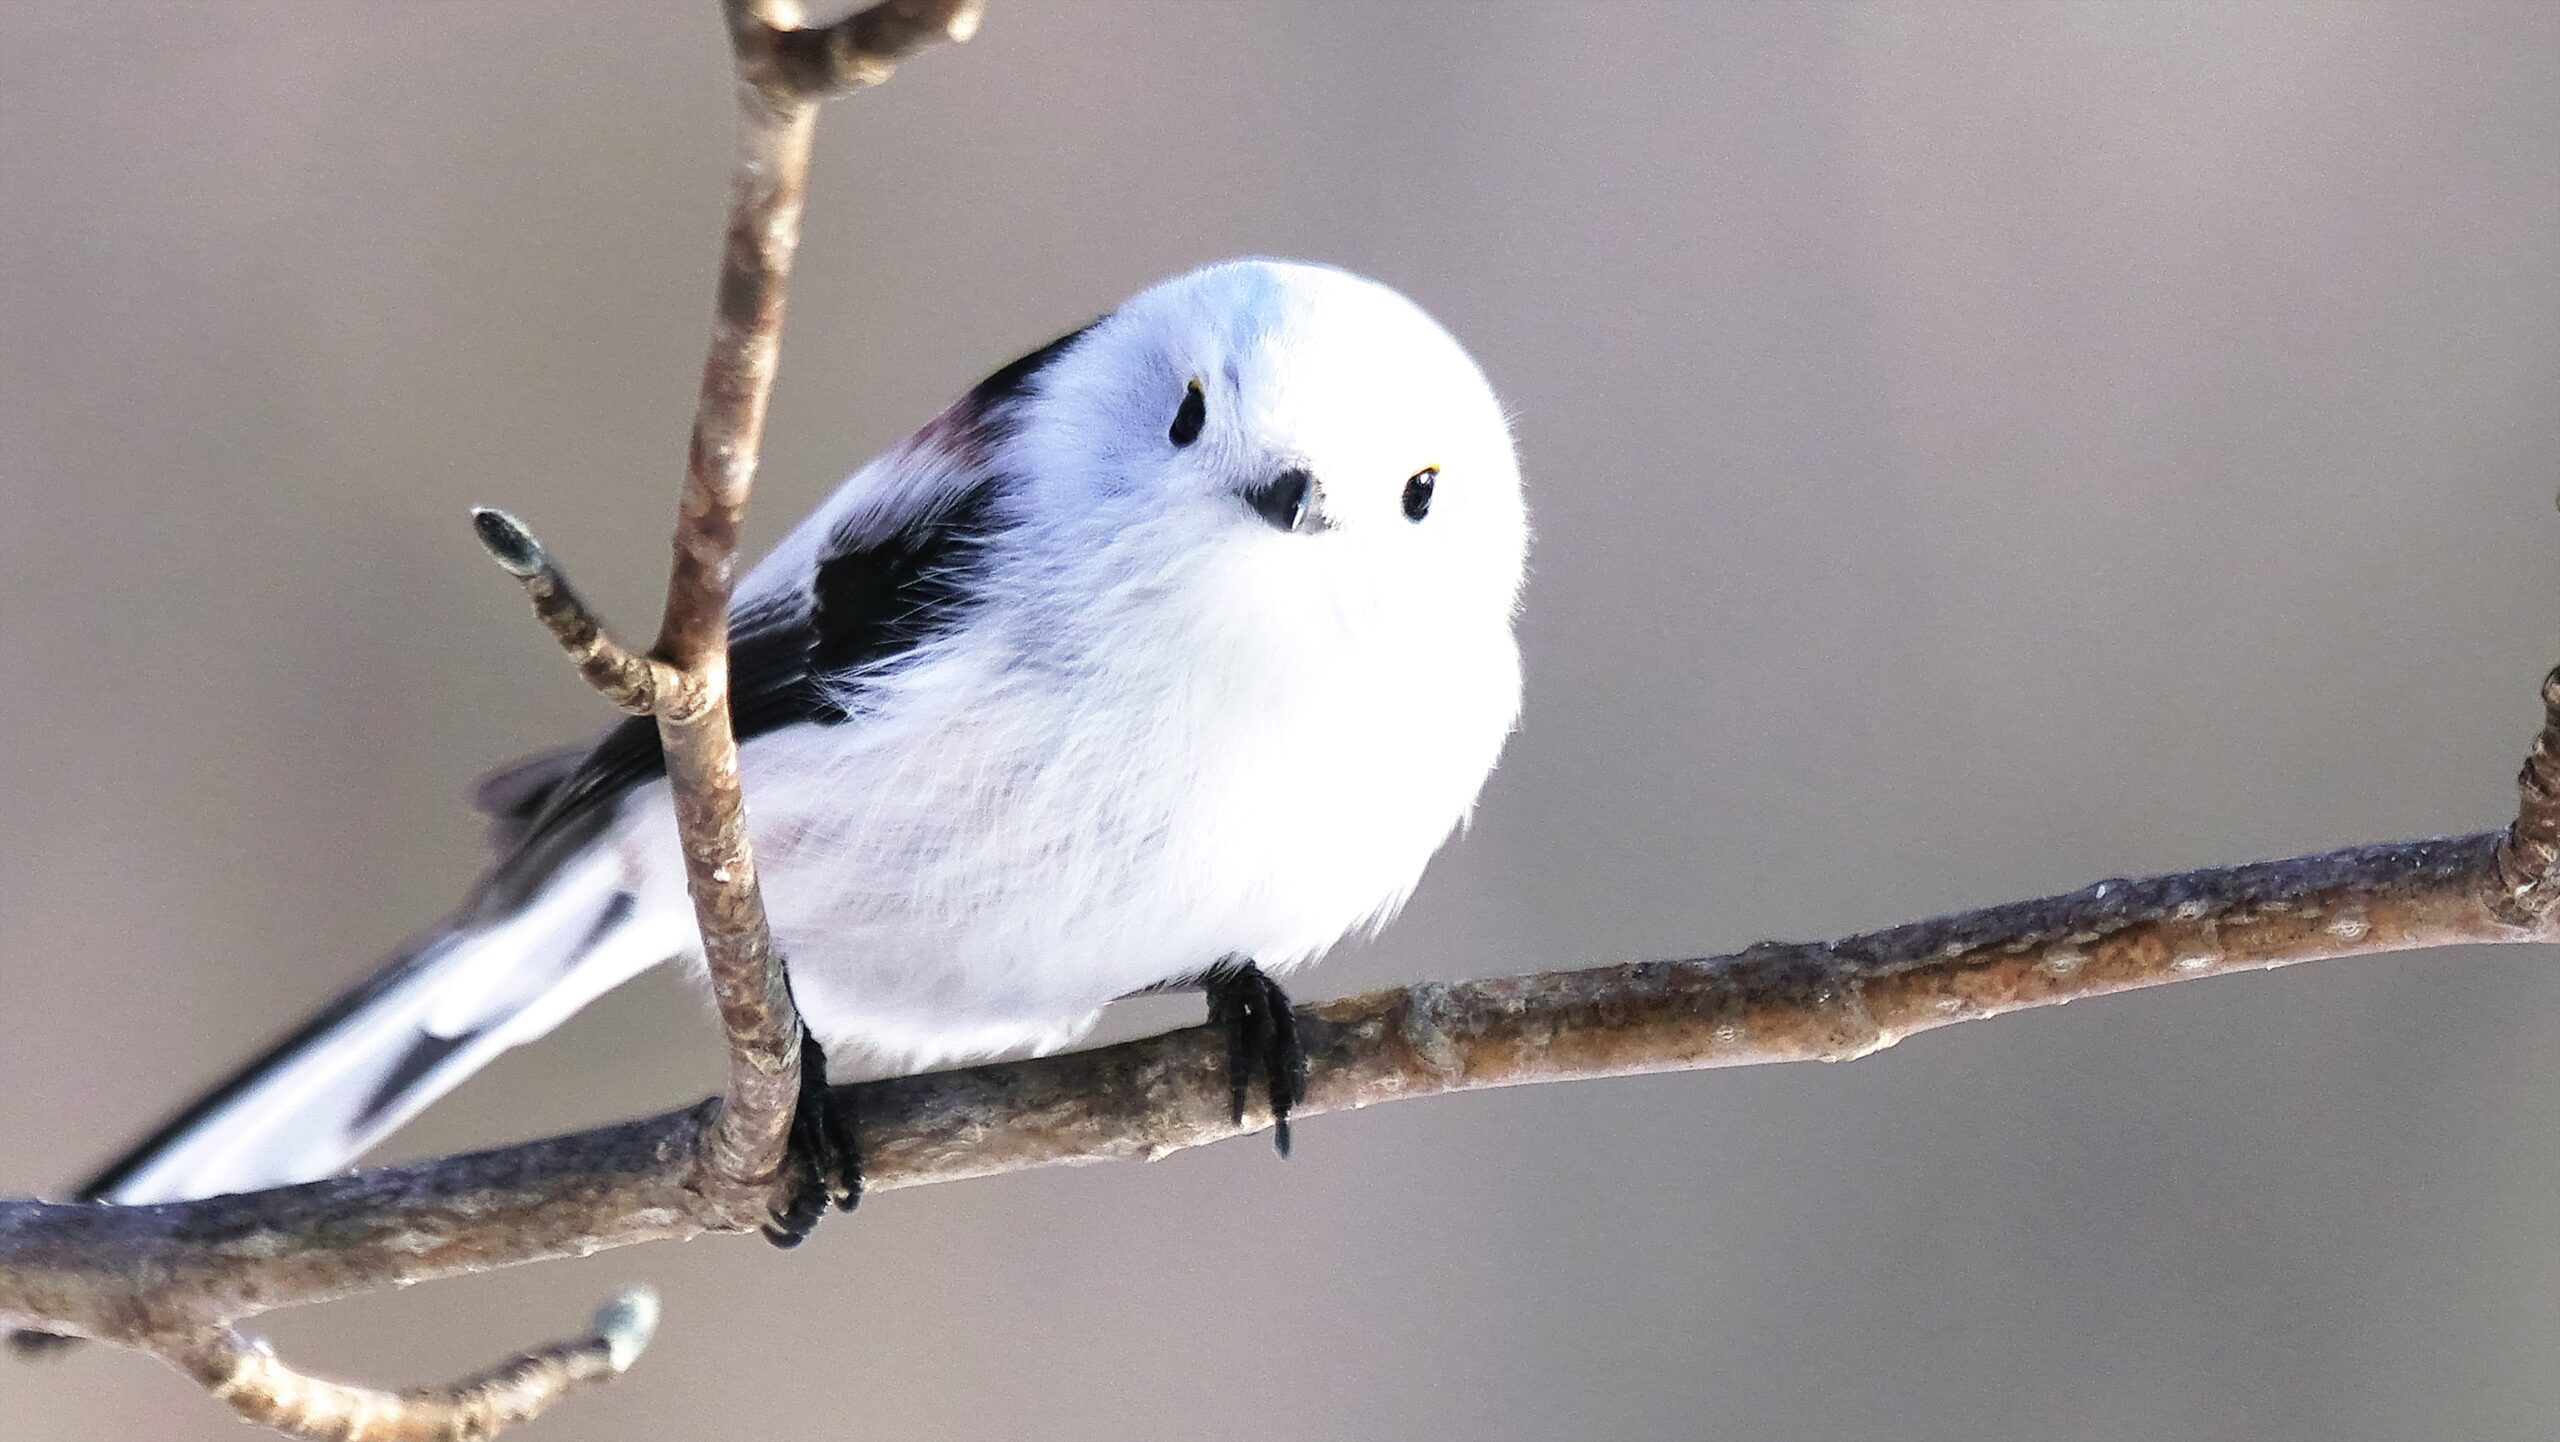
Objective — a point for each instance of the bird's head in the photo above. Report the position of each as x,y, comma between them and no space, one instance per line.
1284,419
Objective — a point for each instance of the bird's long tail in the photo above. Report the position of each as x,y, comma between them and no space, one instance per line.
349,1076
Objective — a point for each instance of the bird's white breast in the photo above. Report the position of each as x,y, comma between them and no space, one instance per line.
1048,812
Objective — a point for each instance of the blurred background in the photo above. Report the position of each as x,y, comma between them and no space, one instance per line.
1975,450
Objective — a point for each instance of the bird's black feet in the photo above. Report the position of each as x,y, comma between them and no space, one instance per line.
1261,1030
824,1161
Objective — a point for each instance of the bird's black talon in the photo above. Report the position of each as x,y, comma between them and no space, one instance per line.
824,1160
1287,1061
791,1223
1261,1029
844,1148
1231,1010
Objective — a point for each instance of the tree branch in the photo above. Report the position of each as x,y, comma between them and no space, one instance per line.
745,1148
783,71
90,1269
777,121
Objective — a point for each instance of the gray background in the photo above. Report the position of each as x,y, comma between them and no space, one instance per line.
1974,451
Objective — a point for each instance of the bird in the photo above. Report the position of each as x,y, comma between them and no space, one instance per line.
1165,658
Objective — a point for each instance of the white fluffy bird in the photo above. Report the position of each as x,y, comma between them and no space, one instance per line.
1167,657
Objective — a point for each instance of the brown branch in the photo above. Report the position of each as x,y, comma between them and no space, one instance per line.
91,1270
777,121
783,71
744,1152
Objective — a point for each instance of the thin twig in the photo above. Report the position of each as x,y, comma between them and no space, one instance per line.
783,71
864,49
744,1151
618,673
246,1374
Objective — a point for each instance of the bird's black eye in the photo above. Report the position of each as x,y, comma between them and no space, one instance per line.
1417,492
1193,415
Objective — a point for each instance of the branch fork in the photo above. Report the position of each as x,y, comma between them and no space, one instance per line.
785,68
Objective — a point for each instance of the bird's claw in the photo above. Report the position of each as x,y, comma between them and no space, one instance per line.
824,1159
1261,1029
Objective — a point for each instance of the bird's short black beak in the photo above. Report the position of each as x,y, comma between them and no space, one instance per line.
1288,501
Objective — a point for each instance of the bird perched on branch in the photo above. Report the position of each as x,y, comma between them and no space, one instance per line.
1165,658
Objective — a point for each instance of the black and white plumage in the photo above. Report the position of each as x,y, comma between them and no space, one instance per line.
1185,638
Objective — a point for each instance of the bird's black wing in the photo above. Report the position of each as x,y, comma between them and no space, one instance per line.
870,602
